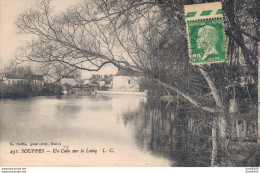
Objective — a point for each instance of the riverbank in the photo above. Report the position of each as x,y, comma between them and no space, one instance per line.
24,91
122,93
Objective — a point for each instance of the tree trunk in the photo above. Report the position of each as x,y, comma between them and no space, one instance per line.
233,106
191,124
233,109
214,143
219,121
237,129
244,129
258,101
222,131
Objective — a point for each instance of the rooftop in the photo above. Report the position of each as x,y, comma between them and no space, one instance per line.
15,76
36,77
126,73
68,77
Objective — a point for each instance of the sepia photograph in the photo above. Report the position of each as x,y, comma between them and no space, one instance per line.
129,83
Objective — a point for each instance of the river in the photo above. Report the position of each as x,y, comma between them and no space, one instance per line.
105,130
90,123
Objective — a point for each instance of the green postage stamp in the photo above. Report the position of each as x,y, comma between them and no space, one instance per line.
206,38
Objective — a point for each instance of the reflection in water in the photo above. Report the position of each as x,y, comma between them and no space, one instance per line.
164,134
182,137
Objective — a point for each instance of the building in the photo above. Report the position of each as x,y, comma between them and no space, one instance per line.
126,81
68,80
36,80
86,81
102,82
95,79
106,81
14,79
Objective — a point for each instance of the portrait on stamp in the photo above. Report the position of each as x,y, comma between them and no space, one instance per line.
206,41
205,32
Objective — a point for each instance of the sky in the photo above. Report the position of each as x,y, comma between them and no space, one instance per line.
11,40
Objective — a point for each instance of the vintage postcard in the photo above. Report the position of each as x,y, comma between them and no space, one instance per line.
87,83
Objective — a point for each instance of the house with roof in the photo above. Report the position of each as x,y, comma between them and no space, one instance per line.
126,81
36,80
68,80
19,79
14,79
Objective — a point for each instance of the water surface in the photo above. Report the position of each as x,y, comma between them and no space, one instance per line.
114,123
